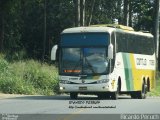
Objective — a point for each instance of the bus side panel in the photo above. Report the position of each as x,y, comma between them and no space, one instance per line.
133,68
143,69
119,71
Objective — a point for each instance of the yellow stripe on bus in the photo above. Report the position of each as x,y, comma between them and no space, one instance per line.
139,74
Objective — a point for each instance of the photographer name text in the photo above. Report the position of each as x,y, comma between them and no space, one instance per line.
74,104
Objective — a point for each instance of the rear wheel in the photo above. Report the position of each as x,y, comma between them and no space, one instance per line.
142,94
73,95
134,95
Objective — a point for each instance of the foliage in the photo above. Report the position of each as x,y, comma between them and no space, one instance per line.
27,77
22,26
156,91
143,14
22,22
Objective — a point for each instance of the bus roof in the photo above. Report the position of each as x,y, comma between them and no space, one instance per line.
88,29
96,28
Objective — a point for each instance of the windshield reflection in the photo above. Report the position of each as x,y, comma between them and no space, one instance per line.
95,60
84,61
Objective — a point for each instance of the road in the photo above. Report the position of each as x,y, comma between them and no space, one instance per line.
65,109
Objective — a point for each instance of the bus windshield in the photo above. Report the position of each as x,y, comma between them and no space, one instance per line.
84,61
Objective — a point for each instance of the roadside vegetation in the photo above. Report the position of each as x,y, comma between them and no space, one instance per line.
31,77
156,91
27,77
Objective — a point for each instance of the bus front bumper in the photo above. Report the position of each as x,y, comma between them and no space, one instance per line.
85,88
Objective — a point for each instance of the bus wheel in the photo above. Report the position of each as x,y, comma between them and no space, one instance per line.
73,95
134,95
100,96
142,94
103,96
114,95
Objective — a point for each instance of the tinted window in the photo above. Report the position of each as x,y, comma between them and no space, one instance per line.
137,44
84,39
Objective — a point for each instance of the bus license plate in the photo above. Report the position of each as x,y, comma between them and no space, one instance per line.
82,88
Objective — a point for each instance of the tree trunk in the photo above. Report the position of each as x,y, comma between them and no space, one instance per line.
119,3
156,34
82,12
130,13
126,13
77,12
1,32
44,40
1,25
91,13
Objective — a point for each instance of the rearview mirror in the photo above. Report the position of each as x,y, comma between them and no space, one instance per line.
53,52
110,51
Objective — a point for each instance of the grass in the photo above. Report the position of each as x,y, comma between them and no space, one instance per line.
27,77
156,91
32,77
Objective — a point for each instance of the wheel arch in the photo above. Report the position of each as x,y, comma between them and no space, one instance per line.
119,83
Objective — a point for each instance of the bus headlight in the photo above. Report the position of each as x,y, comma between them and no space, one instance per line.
64,81
102,81
62,88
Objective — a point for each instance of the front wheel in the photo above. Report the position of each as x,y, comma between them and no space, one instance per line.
73,95
103,95
114,95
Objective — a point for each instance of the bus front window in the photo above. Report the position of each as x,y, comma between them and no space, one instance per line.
71,61
95,60
84,61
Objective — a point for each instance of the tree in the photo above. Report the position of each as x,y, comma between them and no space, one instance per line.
126,12
130,13
1,27
143,14
156,34
3,5
77,12
119,12
91,12
82,12
34,27
44,40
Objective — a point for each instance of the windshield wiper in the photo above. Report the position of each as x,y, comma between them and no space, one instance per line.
90,66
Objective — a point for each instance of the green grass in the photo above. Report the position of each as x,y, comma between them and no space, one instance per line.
27,77
32,77
156,91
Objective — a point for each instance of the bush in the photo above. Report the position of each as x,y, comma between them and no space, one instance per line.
28,77
3,65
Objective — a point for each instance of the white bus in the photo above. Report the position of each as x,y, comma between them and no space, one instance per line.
105,60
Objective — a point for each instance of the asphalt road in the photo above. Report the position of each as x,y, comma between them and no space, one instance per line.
85,107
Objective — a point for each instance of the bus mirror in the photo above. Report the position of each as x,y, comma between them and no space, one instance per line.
110,51
53,52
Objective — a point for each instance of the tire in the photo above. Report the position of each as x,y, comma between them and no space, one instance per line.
114,95
142,94
103,96
73,95
134,95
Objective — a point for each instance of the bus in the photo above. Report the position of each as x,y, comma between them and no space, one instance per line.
105,60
